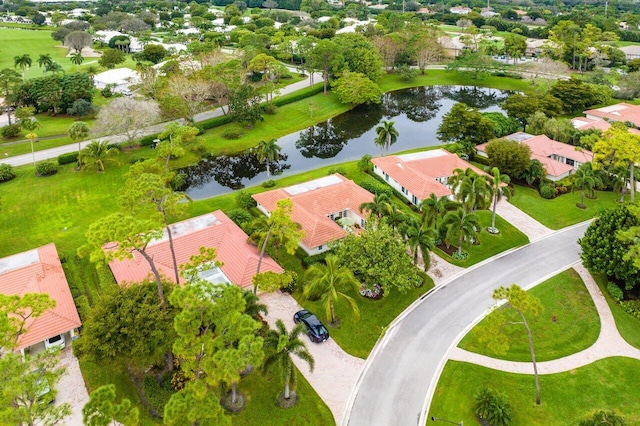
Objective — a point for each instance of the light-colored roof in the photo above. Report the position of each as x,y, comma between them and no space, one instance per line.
418,172
542,148
314,201
584,123
40,271
212,230
618,112
631,50
117,76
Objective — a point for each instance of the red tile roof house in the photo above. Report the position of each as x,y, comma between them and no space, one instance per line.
418,175
584,123
559,159
316,206
40,271
212,230
619,112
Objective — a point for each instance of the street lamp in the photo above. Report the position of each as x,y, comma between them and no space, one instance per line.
437,419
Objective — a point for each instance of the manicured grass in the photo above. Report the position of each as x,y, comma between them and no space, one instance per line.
490,244
561,211
261,392
568,324
628,326
357,337
567,398
17,42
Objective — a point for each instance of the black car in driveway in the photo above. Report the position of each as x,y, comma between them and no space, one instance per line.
316,331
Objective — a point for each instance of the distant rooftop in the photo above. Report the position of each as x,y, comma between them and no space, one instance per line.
313,184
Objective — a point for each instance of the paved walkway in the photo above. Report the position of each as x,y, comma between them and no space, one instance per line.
609,344
335,371
525,223
71,387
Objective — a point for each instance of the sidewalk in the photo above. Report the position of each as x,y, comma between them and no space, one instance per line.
609,344
525,223
45,154
335,371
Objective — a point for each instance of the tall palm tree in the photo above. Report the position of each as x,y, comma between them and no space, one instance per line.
22,62
421,237
77,132
54,67
325,282
96,154
45,61
499,186
461,226
457,177
268,151
379,206
77,59
586,181
281,345
394,216
473,192
432,208
387,134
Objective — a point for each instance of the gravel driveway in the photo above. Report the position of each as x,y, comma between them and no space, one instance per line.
71,387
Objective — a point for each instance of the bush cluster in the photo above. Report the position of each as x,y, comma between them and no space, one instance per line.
71,157
376,187
6,172
632,307
46,168
614,291
547,191
11,131
231,134
269,183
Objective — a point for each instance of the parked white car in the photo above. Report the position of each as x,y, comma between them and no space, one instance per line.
55,341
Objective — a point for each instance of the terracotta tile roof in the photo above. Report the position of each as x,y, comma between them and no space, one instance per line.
419,175
618,112
40,271
542,148
212,230
314,201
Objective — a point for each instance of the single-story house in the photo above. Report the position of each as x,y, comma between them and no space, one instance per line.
121,77
534,46
40,271
584,123
619,112
317,206
212,230
460,10
631,52
559,159
416,176
451,45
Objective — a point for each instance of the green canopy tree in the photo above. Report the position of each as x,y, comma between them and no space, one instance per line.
173,140
103,410
268,152
356,88
16,311
326,56
525,305
194,406
466,125
510,157
328,283
281,345
387,134
618,147
8,80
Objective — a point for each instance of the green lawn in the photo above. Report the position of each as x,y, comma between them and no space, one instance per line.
567,398
561,211
568,324
357,337
490,244
628,326
17,42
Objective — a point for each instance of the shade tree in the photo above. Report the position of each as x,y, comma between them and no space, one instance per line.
103,410
510,157
466,125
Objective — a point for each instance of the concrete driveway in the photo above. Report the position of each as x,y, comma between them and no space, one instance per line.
71,387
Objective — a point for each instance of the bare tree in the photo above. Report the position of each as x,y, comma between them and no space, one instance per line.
192,92
127,116
77,40
545,71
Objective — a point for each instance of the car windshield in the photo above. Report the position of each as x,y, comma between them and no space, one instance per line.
55,339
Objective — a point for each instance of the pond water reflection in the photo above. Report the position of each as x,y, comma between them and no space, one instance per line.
417,113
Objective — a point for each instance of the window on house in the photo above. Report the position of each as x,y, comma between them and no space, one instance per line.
414,200
404,190
386,177
571,162
320,248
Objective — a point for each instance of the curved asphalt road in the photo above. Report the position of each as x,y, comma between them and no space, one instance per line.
394,387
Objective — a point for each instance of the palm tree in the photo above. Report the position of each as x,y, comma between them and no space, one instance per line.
77,59
31,124
53,68
96,154
45,61
387,134
282,345
499,186
77,132
324,282
379,206
432,208
266,152
586,181
394,216
457,177
421,237
253,307
473,192
22,62
461,226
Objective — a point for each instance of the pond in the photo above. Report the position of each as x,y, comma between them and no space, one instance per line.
417,113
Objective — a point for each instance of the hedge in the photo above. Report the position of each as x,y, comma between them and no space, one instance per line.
71,157
298,95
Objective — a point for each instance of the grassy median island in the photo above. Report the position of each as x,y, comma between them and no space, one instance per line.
568,324
561,211
567,398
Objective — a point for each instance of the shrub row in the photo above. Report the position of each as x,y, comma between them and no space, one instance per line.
297,96
375,187
71,157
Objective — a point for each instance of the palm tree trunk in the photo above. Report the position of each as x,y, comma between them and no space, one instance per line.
268,169
287,393
262,250
533,357
493,215
632,181
156,274
234,396
582,198
333,313
460,244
